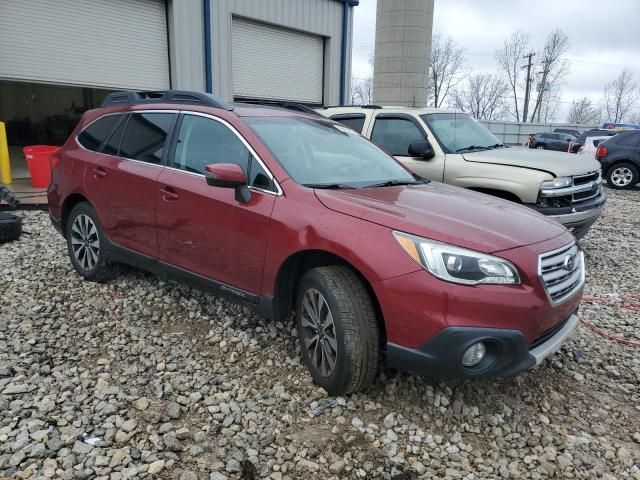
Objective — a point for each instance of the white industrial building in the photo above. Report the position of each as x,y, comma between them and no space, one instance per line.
59,58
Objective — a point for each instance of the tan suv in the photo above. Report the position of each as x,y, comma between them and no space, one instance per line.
452,147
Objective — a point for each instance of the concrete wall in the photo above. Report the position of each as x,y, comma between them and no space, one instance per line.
320,17
517,133
403,50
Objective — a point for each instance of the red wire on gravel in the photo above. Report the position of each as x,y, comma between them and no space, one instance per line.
628,302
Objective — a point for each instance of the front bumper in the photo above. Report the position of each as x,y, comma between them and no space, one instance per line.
577,218
507,351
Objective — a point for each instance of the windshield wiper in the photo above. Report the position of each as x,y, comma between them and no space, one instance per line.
392,183
497,145
327,186
471,147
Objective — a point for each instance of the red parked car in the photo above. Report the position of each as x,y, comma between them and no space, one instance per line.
288,212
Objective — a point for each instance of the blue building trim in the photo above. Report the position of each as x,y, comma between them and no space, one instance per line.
345,36
208,74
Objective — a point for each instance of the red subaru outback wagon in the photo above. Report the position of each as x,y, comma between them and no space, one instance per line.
288,212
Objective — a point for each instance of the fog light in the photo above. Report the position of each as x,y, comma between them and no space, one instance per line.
474,354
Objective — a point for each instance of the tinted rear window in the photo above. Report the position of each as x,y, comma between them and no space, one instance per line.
95,134
354,123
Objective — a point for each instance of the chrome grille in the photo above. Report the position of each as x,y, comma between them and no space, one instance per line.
562,272
593,179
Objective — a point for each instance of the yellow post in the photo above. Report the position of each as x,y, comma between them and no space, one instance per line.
5,165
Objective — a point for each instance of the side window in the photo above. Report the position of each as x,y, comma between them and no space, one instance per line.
354,123
95,134
395,134
203,141
113,144
145,136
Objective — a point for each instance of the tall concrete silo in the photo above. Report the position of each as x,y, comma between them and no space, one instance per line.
403,50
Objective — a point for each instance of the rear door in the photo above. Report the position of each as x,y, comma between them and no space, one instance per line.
204,229
394,133
121,182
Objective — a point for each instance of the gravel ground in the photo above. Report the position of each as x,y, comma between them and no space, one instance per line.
143,378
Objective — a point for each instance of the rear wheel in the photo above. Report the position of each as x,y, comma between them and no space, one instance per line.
85,243
622,175
337,329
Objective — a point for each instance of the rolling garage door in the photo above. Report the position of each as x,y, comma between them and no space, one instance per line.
276,64
101,43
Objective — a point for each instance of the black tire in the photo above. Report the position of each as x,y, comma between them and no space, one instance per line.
541,146
356,332
98,268
10,227
622,176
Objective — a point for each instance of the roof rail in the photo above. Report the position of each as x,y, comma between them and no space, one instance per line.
295,106
356,106
166,96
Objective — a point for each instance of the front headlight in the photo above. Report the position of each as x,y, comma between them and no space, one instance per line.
458,265
559,182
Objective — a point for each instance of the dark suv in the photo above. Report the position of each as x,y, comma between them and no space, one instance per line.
620,159
551,141
290,213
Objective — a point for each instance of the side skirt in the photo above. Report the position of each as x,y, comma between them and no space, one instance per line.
262,305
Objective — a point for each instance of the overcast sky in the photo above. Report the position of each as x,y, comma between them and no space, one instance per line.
603,36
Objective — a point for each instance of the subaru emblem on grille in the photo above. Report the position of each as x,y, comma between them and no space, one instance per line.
569,262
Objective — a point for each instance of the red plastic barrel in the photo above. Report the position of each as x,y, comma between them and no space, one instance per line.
39,163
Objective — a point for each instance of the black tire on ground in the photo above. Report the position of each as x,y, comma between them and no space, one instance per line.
356,332
10,227
541,146
85,242
623,175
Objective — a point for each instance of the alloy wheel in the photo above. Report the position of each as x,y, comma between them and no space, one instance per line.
622,176
319,332
85,242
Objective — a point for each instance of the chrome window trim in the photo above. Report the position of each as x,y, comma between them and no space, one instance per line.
121,113
577,287
278,191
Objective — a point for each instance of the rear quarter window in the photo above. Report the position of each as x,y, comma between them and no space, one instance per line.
93,136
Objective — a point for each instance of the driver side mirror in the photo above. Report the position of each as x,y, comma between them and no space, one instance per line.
421,148
228,175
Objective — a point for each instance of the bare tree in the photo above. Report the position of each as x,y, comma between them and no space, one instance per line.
362,91
554,69
511,59
482,95
583,112
446,69
620,95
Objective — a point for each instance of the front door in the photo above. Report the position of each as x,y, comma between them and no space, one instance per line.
204,229
394,134
122,181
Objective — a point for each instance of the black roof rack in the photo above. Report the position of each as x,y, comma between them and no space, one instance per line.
361,106
166,96
295,106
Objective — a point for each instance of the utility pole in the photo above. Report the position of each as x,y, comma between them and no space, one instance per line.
527,89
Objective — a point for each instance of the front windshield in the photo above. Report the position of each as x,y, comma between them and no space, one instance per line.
459,132
318,153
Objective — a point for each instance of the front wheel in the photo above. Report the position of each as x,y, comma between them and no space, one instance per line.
541,147
337,329
622,175
85,243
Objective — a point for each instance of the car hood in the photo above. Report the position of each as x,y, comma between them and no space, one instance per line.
445,213
559,164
